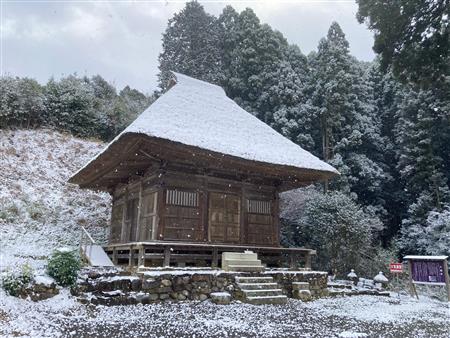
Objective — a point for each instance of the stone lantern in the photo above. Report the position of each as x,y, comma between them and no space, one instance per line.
353,277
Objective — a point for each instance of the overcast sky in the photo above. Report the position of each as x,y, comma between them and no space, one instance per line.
121,40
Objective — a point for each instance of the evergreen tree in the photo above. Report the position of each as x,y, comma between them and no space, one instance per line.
191,46
21,103
413,36
423,131
70,105
345,123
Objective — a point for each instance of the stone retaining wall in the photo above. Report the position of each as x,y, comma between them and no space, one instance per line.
178,285
317,281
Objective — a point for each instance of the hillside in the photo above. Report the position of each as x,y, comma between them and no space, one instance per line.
39,210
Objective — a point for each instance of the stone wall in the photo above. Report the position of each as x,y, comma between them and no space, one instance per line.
178,285
317,281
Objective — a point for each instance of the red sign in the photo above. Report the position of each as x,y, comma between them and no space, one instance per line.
396,267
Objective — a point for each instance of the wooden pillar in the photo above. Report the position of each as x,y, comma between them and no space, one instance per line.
138,221
141,256
308,260
215,258
292,260
411,284
114,256
243,217
276,219
131,256
161,203
124,230
166,256
447,279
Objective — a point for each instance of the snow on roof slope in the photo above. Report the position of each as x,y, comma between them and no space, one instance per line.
199,114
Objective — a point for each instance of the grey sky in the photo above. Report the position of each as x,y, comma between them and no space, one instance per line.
121,40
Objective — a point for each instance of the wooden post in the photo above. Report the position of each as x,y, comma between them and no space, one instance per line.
141,256
114,256
166,256
123,233
411,283
131,256
139,213
447,279
308,260
215,258
292,258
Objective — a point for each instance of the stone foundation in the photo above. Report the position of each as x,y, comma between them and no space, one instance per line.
115,288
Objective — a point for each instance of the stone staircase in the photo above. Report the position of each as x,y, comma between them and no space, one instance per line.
241,262
260,290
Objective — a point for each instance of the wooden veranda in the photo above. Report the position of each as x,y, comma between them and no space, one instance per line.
202,254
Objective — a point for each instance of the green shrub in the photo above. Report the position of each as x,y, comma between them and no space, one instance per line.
63,266
14,281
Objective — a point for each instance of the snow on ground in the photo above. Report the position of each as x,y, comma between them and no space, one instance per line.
358,316
39,210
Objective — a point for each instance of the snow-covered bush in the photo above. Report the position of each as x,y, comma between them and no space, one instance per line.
8,210
14,280
333,224
63,266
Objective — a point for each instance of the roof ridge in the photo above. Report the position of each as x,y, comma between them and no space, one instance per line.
184,79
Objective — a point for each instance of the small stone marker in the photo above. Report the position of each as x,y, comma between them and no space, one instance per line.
222,298
300,290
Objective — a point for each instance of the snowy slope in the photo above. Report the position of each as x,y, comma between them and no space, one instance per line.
39,211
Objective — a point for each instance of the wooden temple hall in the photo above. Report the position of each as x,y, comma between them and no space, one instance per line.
195,175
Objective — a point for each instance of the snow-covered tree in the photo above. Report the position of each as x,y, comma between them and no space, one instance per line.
423,132
437,232
21,103
333,223
191,46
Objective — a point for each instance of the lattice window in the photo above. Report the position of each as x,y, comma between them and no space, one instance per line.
259,207
182,198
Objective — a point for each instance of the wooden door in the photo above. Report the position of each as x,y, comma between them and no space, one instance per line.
224,218
147,222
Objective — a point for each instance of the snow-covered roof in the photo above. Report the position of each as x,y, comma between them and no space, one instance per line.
199,114
430,258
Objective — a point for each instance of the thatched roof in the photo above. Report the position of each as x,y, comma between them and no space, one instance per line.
197,118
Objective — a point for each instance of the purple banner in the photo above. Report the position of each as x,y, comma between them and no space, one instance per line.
428,271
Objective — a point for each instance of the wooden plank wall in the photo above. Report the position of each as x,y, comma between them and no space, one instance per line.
196,208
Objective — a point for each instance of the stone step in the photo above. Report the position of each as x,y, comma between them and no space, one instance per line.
230,262
259,300
239,255
257,286
263,293
254,280
245,268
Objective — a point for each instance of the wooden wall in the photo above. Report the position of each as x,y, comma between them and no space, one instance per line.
180,206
